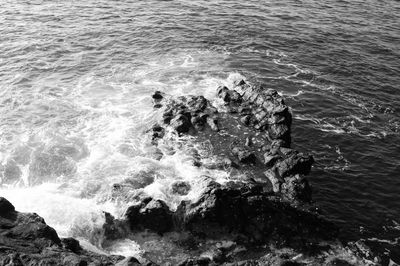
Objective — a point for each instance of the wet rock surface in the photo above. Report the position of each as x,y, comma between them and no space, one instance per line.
25,239
252,134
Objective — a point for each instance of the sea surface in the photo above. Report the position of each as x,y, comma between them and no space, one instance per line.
76,79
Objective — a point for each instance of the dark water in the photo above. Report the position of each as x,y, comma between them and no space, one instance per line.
68,67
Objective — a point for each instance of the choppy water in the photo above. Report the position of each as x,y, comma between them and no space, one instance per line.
76,76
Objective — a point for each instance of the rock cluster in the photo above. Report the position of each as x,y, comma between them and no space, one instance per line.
239,210
254,132
264,110
251,134
25,239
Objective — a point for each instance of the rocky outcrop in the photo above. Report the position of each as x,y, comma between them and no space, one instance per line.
248,134
150,214
25,239
268,203
253,133
264,110
242,211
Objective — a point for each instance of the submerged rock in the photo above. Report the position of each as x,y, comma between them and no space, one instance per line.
181,188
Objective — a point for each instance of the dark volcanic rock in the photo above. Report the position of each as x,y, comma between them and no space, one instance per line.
237,209
254,133
261,109
6,207
245,209
150,214
25,239
267,200
244,155
181,123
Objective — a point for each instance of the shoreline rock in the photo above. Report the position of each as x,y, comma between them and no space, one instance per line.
25,239
254,133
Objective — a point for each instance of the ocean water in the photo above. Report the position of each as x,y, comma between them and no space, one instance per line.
76,79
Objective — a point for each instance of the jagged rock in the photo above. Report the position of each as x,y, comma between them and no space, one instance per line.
246,209
5,207
195,262
180,123
25,239
265,110
268,123
150,214
244,155
295,163
338,262
212,121
296,188
113,229
71,244
275,179
157,132
157,97
130,261
251,139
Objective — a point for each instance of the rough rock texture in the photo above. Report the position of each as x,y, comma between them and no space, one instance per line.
150,214
25,239
264,110
253,133
268,200
241,210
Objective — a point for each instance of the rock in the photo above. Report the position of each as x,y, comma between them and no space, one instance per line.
113,228
199,121
157,97
245,209
275,180
267,120
296,188
5,207
150,214
180,124
195,262
270,160
213,123
338,262
215,255
223,93
268,200
244,155
130,261
157,132
295,163
268,110
25,239
181,188
71,244
249,142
